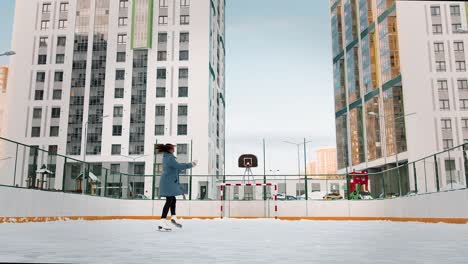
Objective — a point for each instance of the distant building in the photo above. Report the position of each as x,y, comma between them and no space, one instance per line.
325,164
3,90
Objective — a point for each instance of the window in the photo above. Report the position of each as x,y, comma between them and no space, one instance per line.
55,112
160,92
446,124
44,24
60,58
183,55
163,3
61,41
182,110
455,10
37,113
464,122
54,131
35,131
159,130
161,74
118,111
160,111
441,66
435,10
444,104
38,95
119,93
43,42
115,169
183,73
315,187
183,91
63,23
182,130
184,37
462,84
123,21
162,55
184,2
53,149
63,7
123,4
46,8
456,27
162,20
464,104
121,56
42,59
162,37
40,77
119,75
122,39
460,66
184,19
57,94
448,143
182,149
116,149
438,47
116,130
442,84
437,29
458,46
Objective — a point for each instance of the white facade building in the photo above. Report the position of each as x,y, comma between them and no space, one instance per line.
401,87
124,75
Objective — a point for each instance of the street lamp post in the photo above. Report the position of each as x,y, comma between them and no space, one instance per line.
83,182
8,53
298,145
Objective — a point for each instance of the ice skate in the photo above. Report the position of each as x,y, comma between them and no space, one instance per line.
163,226
174,222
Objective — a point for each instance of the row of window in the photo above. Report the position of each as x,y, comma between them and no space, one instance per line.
460,66
37,113
182,130
47,7
62,24
454,10
446,123
44,41
458,46
444,104
461,84
437,28
42,59
39,95
162,3
53,132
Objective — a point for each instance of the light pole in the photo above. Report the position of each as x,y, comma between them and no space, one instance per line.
401,117
134,161
298,145
83,184
8,53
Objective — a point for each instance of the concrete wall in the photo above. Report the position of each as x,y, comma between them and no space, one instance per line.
33,203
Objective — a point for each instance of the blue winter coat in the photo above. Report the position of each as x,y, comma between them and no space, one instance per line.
169,184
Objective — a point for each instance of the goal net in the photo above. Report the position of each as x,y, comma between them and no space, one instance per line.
249,200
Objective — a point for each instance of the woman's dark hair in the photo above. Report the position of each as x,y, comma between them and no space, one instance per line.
164,148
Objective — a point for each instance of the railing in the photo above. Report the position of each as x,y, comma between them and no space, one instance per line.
24,166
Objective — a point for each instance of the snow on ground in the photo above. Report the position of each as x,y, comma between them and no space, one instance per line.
234,241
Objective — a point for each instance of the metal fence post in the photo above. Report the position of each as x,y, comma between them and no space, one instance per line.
105,185
63,174
415,179
191,171
16,163
465,158
120,185
264,171
437,173
154,185
305,171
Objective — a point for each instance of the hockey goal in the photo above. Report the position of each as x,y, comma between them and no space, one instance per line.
240,199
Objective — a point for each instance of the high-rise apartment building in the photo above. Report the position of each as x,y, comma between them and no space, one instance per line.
400,85
3,91
106,80
326,160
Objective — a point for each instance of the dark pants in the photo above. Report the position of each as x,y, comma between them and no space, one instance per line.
170,204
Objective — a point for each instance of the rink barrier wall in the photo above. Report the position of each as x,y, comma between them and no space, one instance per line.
26,205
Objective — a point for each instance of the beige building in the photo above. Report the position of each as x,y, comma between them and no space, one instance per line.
3,90
326,162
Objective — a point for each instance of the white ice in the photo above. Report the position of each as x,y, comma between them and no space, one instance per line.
234,241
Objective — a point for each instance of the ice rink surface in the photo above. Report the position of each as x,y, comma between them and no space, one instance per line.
234,241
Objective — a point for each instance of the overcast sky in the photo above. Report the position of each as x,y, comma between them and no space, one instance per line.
279,78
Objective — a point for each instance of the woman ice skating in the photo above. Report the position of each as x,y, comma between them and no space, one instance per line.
169,184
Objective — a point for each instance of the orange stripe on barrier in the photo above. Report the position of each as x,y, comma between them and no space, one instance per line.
288,218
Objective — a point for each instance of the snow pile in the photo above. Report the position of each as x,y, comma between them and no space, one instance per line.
234,241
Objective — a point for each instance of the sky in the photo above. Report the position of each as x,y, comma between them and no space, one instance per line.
279,79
